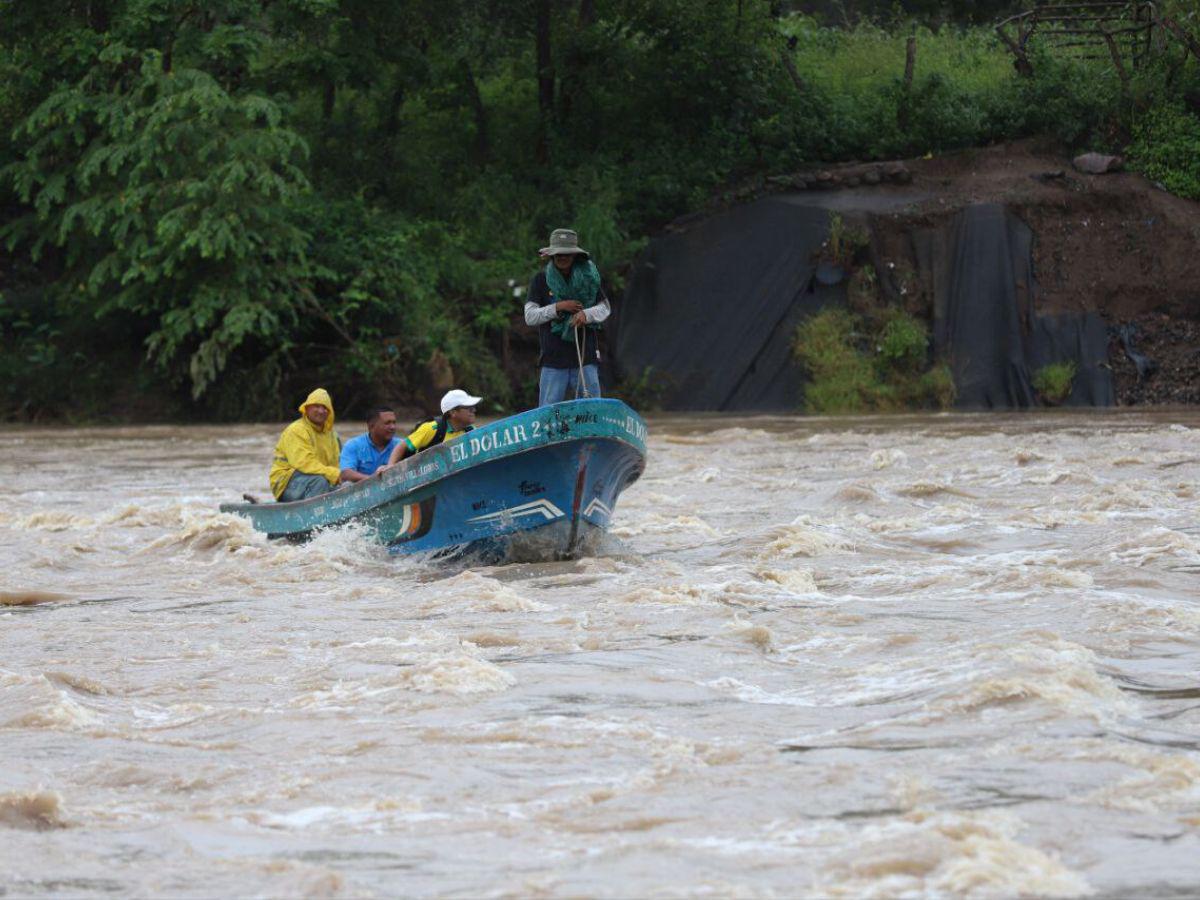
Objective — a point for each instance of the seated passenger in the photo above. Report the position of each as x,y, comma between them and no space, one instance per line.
363,456
457,418
306,457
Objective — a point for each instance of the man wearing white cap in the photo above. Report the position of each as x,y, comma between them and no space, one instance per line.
457,418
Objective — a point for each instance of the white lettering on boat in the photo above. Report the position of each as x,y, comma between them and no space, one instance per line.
512,435
485,443
631,425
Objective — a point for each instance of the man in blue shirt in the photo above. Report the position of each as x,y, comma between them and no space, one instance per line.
363,455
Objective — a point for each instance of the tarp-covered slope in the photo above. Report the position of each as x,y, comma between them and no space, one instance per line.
710,313
713,310
985,321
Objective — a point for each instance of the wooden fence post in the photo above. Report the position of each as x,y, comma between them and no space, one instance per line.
910,65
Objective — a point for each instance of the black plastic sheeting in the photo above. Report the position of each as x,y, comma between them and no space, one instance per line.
985,324
709,315
713,310
1127,335
1084,339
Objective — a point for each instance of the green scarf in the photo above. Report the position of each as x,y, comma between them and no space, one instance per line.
584,286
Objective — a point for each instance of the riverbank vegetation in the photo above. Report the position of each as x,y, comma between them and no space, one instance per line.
207,208
1053,382
878,363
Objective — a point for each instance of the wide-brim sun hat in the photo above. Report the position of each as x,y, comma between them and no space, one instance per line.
456,398
564,241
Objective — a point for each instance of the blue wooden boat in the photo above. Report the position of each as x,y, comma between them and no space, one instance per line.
546,480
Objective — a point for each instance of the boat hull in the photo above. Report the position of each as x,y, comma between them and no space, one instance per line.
556,471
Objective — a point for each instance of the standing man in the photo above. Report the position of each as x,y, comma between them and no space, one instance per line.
567,304
362,456
306,457
457,418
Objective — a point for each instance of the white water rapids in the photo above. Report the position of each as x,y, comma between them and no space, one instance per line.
911,656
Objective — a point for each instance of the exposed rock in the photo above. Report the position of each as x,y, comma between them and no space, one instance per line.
850,175
897,172
1097,163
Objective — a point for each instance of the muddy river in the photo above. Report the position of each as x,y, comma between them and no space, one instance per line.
907,656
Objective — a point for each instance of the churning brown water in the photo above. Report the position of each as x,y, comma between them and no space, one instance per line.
872,658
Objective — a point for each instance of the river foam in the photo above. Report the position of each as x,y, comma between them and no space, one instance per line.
893,657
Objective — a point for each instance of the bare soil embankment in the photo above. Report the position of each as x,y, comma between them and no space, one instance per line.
1114,244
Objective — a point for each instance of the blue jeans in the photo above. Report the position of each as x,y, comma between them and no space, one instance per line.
301,486
557,385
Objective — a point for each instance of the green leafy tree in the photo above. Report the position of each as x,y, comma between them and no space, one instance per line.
260,193
170,198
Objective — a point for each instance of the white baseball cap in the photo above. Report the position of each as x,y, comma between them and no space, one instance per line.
457,398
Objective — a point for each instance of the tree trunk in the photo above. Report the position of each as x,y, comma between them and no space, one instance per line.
97,16
169,44
910,66
1115,53
1020,61
482,149
328,100
391,121
571,81
545,77
1182,34
790,65
391,125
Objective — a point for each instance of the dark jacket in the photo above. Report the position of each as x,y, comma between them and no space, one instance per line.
555,352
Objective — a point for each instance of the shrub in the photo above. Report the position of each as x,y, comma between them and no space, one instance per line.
1166,148
855,371
843,380
845,241
824,340
850,389
645,390
862,291
937,387
902,344
1053,382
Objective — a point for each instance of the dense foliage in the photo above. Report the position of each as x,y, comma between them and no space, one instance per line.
209,207
870,363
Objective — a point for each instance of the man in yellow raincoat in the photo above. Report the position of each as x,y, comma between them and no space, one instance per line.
306,457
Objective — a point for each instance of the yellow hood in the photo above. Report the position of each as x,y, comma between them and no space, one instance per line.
304,448
320,397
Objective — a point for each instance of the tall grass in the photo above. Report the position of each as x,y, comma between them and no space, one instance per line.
964,92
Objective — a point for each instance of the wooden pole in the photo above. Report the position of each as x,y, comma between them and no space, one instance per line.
910,66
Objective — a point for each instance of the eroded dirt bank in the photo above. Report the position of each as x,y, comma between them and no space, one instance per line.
1114,244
